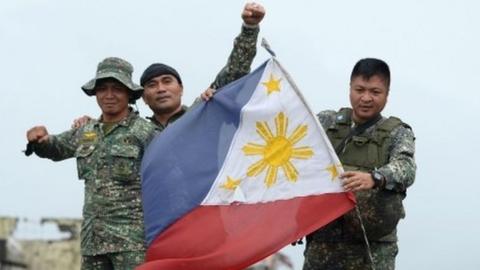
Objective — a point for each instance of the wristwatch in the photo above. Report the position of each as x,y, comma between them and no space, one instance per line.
378,179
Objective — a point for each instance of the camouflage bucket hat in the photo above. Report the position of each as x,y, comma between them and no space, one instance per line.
116,68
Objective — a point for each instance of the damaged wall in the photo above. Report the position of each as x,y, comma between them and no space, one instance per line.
41,254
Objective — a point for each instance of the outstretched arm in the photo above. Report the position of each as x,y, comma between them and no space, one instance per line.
54,147
244,47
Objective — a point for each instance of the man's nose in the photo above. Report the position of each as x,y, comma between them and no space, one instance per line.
160,89
366,97
109,92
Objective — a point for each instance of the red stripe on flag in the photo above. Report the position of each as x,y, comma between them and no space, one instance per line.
236,236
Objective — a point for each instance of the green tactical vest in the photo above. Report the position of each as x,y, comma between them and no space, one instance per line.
380,209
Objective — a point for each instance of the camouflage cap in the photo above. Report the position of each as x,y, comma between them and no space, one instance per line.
116,68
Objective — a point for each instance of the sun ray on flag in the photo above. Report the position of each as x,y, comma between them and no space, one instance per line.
278,151
253,149
257,168
271,177
302,152
290,171
332,169
298,134
281,124
264,130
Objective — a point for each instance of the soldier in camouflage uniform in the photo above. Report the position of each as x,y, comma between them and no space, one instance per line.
163,85
108,153
378,156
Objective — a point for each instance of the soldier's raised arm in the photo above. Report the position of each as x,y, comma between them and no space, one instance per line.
244,47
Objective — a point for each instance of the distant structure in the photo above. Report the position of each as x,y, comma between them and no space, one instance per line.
10,255
40,254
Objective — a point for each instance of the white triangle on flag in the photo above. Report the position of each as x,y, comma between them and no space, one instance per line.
279,151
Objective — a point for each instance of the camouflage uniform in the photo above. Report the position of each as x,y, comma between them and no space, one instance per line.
109,163
110,261
349,256
238,65
388,147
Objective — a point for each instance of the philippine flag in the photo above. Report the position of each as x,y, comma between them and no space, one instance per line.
239,177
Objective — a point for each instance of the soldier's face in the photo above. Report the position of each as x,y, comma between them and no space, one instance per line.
112,97
367,97
163,94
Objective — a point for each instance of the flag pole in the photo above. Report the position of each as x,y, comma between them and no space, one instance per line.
267,47
367,243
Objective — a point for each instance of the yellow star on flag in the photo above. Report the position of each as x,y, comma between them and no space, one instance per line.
231,183
332,169
272,84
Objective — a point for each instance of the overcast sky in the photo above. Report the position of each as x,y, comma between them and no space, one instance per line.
49,48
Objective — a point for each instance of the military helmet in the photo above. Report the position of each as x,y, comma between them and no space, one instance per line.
116,68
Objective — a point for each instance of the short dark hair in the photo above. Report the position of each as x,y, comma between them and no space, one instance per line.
369,67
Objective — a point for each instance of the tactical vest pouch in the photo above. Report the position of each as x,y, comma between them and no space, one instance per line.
380,209
359,141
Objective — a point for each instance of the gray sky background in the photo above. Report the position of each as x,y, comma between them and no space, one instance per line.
50,48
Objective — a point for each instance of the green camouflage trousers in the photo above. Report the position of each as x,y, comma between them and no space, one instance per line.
349,256
113,261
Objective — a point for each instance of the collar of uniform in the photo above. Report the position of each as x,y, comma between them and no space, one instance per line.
124,122
371,126
174,117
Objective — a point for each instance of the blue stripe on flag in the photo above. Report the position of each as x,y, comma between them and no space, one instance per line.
181,163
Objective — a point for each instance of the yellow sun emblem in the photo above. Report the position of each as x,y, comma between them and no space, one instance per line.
278,151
